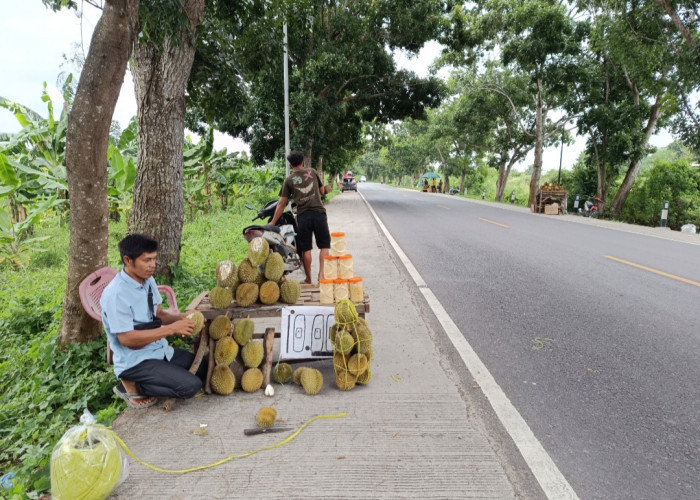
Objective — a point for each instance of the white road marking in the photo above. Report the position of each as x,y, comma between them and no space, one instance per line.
552,481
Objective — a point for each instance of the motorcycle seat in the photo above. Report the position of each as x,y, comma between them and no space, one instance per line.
267,227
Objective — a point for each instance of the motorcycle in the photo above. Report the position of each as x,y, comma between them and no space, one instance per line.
590,209
281,236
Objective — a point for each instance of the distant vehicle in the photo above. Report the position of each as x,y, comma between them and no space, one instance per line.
349,184
363,179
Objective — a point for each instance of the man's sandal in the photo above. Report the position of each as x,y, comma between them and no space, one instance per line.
128,396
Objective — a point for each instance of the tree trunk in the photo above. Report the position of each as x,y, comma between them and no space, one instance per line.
539,146
87,138
160,79
462,175
319,169
633,169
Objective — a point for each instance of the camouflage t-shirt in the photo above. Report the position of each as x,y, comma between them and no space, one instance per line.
304,187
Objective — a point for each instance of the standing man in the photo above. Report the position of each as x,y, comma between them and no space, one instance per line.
132,316
304,186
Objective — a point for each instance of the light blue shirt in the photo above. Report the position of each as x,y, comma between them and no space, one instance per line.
124,305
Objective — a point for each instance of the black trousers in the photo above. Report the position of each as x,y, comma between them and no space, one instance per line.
170,379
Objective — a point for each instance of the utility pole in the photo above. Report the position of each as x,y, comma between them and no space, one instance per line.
287,149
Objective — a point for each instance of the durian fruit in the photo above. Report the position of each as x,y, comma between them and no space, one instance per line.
365,377
312,381
226,273
345,343
247,272
225,351
274,266
340,362
251,380
296,377
223,380
247,294
282,373
362,336
252,354
220,298
345,312
219,327
290,290
358,364
333,332
345,380
266,417
234,286
269,292
198,319
258,248
243,331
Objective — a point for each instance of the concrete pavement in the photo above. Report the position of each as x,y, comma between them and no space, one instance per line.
410,433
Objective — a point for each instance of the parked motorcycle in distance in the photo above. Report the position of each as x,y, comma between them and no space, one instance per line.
590,209
281,236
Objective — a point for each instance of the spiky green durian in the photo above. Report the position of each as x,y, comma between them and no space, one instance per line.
290,290
247,294
220,298
345,343
247,272
362,335
219,327
340,362
266,417
243,331
223,380
312,381
226,273
282,373
333,332
274,266
225,351
258,248
252,354
251,380
365,377
358,364
198,319
296,377
269,292
345,312
345,380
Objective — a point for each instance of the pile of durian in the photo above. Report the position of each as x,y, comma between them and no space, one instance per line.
352,347
551,186
258,278
234,344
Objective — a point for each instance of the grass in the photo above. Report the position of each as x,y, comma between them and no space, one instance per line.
44,388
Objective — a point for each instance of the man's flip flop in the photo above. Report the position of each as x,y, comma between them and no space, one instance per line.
128,396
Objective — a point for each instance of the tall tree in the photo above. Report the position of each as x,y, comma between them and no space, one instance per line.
161,68
87,138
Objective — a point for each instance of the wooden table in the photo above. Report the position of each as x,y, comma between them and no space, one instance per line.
543,197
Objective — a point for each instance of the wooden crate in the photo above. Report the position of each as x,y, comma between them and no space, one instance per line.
551,209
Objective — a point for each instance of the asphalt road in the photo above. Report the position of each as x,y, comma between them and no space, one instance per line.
601,358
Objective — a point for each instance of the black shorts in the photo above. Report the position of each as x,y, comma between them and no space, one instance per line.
316,223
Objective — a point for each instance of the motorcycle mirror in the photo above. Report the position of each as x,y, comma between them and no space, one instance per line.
249,206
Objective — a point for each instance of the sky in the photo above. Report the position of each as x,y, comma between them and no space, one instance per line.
36,45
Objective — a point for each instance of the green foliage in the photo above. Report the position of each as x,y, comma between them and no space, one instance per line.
678,183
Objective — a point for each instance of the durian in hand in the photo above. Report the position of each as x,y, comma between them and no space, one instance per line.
266,417
258,248
198,319
222,380
220,298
